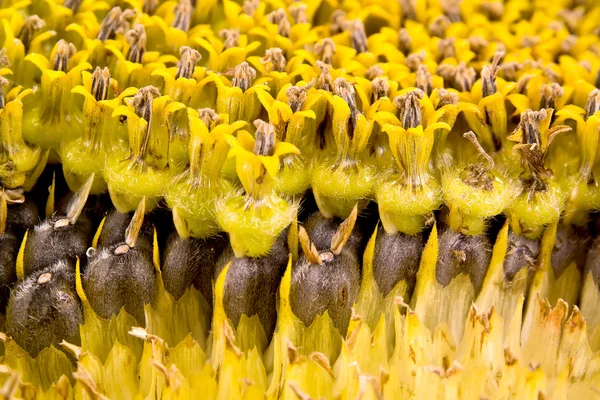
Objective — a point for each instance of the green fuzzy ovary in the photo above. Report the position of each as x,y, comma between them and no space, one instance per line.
293,180
253,230
544,208
78,164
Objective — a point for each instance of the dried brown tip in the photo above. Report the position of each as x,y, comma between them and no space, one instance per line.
64,51
78,202
409,9
446,47
324,81
250,6
308,247
142,102
358,37
325,50
446,97
3,83
593,103
276,57
243,74
208,116
478,175
451,9
409,106
297,95
230,38
550,93
478,44
116,21
136,38
265,138
279,18
100,83
380,88
488,75
374,72
415,59
298,12
149,6
183,15
322,360
338,18
133,230
404,41
32,24
72,5
423,79
439,25
338,241
187,62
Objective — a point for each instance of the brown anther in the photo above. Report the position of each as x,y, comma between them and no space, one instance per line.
279,18
4,60
567,45
324,81
493,9
404,41
208,116
100,83
374,72
276,58
380,88
183,15
593,103
446,47
345,90
115,22
136,38
63,52
446,97
550,92
439,25
297,95
530,41
325,50
338,18
243,74
415,59
572,17
478,175
187,62
298,12
32,24
510,70
459,77
72,5
478,44
423,79
149,6
451,9
409,9
3,83
488,75
265,138
250,6
409,107
142,104
230,38
358,37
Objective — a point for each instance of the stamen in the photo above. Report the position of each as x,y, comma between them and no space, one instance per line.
478,44
137,43
409,9
380,88
230,38
324,81
478,175
338,18
358,37
374,72
415,59
439,25
423,79
404,41
149,6
493,9
279,17
446,97
250,7
31,25
451,9
325,50
572,17
183,15
276,58
72,5
409,107
593,103
549,95
100,83
142,103
208,116
298,12
446,47
265,138
346,91
64,51
297,95
243,75
459,77
530,41
488,75
187,62
115,22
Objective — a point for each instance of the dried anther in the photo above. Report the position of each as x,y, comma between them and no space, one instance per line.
64,51
265,138
446,47
409,9
593,103
116,21
73,5
380,88
187,62
298,12
493,9
409,107
230,38
415,59
374,72
142,103
149,6
459,77
243,75
423,80
279,18
208,116
549,95
324,81
479,175
338,18
446,97
297,95
451,9
136,38
358,37
488,75
100,83
32,24
183,15
345,90
250,6
439,25
325,50
276,57
404,41
4,60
